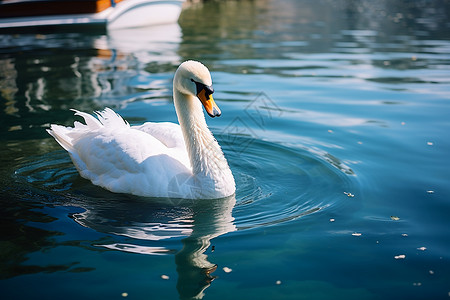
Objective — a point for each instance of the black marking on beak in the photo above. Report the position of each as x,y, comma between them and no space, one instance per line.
200,86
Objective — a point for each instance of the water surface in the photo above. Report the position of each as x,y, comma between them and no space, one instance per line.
335,125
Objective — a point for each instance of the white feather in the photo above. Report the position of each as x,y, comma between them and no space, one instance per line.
154,159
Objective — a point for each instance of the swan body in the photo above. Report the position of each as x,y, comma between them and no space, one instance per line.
154,159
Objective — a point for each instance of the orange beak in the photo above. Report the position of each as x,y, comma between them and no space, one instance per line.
208,102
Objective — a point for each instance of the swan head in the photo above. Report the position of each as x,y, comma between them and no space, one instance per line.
193,78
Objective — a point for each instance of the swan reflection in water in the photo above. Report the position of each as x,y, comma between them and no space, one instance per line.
198,221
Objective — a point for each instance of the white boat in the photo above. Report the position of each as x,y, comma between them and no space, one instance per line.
114,14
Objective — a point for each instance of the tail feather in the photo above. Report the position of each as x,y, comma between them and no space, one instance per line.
66,136
91,122
109,118
60,134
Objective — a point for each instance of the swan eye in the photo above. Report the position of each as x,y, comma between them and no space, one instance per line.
201,86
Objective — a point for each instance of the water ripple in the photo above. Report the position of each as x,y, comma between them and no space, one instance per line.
306,181
269,192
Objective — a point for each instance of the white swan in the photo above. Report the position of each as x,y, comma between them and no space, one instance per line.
154,159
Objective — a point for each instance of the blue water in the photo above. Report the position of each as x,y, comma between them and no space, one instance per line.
335,122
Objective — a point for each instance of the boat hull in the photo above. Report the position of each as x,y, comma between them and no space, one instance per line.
124,14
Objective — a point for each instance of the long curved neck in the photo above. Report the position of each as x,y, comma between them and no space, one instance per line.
204,152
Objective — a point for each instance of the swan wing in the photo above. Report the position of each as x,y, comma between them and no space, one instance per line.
167,133
170,135
121,158
128,161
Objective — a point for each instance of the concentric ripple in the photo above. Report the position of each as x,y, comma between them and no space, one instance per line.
275,184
